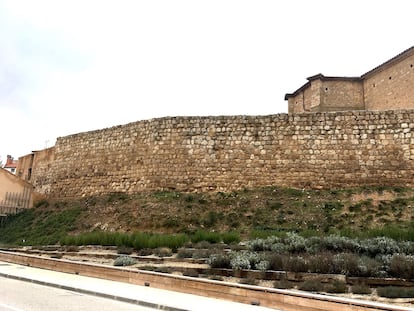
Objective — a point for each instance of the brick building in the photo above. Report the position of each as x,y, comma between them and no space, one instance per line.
390,86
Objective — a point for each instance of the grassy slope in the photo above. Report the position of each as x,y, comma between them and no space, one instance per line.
249,212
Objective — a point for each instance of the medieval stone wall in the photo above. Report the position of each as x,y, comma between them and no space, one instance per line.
330,150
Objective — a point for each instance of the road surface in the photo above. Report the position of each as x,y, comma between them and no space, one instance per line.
18,295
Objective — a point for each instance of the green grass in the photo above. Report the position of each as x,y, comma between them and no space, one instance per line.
398,232
248,213
32,227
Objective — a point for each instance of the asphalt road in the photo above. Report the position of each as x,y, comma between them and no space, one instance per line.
24,296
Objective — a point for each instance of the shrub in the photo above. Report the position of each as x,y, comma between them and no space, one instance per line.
396,292
124,261
230,237
258,245
321,263
346,263
145,252
185,253
312,286
203,244
337,287
296,264
219,261
173,241
295,243
211,237
163,269
402,266
279,248
379,246
406,247
239,262
163,252
262,265
368,267
276,262
202,253
340,244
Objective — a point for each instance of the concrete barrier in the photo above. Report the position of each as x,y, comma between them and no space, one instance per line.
286,300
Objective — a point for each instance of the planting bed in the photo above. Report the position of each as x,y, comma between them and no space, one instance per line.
321,283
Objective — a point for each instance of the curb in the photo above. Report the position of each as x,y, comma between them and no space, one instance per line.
141,303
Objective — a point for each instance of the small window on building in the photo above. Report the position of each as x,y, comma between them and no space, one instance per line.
411,66
12,170
373,85
326,89
390,78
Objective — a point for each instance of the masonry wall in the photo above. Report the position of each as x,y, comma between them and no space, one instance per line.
328,95
296,104
37,168
391,88
321,150
341,95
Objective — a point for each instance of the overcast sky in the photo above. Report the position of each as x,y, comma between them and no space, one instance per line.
74,66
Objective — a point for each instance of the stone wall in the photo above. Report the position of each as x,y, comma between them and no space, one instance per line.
321,150
36,168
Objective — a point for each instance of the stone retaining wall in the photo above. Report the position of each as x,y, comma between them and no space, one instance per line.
319,150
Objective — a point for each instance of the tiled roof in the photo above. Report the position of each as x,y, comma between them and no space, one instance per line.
11,165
